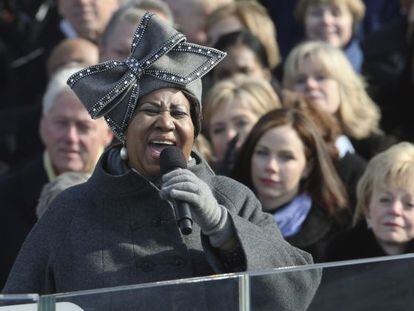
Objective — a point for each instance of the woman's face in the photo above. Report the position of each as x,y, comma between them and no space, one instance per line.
391,214
278,164
317,87
162,119
230,119
240,60
329,22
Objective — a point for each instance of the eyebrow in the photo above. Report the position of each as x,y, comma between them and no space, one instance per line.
218,123
262,146
172,106
162,103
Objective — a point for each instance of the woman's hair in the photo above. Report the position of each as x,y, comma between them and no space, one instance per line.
256,19
247,39
57,84
256,94
203,146
357,115
326,123
355,7
393,167
322,184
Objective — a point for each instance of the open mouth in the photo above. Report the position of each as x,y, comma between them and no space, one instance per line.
156,146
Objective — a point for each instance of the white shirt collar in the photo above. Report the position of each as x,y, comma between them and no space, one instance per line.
344,145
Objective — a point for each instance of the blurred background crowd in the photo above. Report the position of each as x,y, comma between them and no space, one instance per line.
310,109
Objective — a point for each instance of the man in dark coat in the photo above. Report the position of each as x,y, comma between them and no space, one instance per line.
73,143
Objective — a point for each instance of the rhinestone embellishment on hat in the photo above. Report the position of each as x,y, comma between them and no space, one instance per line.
112,89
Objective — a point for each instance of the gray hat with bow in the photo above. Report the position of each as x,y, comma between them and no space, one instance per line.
160,58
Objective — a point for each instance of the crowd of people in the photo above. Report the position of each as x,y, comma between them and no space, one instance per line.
298,140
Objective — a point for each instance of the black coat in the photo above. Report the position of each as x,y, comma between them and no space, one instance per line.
373,144
19,194
350,169
382,285
385,59
317,231
356,243
31,50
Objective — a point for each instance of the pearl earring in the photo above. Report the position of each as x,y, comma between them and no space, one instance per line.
123,153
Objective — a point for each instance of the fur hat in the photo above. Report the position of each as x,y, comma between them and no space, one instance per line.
160,58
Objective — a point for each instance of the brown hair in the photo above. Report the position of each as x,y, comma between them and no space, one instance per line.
323,184
327,124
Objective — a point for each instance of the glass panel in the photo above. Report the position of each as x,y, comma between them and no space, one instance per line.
383,283
209,293
23,302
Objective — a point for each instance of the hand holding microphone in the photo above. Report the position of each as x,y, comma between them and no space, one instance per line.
184,186
172,158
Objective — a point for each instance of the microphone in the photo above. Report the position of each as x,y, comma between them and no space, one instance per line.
172,158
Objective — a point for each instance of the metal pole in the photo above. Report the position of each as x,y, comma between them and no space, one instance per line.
244,292
46,303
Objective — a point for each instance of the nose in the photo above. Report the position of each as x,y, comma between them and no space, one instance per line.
271,165
165,121
311,83
396,208
71,134
230,134
327,17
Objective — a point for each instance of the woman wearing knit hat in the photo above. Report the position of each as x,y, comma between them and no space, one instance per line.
119,228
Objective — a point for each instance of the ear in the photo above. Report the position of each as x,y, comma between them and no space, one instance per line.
368,220
108,138
42,129
268,74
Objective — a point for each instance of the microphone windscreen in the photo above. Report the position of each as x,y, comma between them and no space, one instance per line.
171,158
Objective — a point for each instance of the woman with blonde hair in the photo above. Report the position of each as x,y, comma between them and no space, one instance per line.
324,77
232,107
384,219
249,15
334,22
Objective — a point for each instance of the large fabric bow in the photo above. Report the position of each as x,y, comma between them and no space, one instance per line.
160,57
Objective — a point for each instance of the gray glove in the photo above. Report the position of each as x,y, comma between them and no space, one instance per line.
183,185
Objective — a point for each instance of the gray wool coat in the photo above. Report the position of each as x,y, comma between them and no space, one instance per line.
115,230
